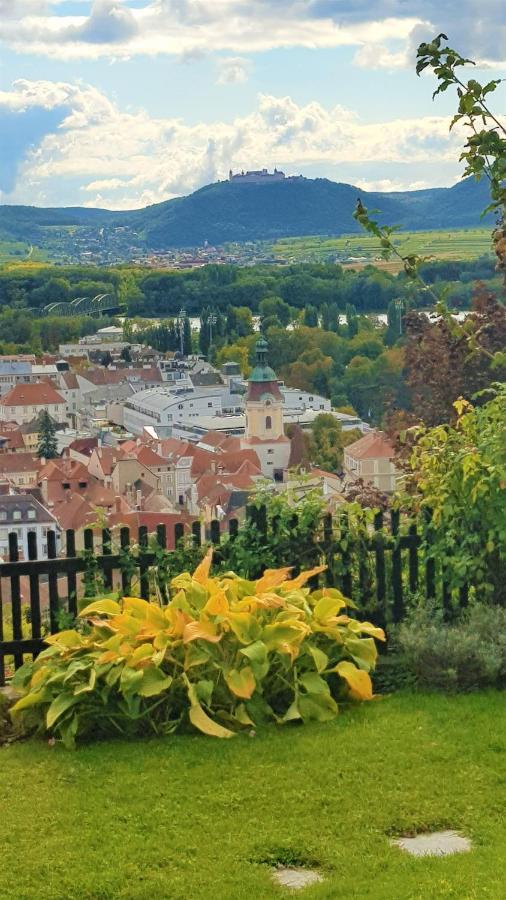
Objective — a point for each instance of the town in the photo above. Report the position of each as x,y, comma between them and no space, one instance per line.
158,439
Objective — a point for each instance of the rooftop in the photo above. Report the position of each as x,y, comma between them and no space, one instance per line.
40,394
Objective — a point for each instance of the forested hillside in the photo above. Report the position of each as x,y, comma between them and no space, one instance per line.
227,211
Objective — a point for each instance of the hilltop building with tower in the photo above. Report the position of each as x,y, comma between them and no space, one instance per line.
256,176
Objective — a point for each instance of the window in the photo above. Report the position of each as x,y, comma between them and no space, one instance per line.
66,485
16,514
32,514
270,451
210,404
268,422
3,534
3,515
181,499
322,406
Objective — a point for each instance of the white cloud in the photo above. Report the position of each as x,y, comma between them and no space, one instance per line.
387,185
233,70
124,159
384,31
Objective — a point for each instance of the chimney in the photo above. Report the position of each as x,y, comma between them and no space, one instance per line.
117,504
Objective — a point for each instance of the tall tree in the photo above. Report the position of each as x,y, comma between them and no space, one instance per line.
47,446
187,337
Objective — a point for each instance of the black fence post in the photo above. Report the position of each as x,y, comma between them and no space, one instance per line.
54,600
347,581
379,549
70,540
17,624
143,564
430,565
413,558
397,595
33,580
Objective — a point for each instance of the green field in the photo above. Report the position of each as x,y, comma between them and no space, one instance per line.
12,251
192,818
364,249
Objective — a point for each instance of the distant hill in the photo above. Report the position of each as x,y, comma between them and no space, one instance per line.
228,211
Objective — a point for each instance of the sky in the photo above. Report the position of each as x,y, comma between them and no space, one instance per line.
124,103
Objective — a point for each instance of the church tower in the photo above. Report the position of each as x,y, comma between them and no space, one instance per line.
264,417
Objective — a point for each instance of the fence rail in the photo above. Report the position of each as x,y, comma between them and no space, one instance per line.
379,572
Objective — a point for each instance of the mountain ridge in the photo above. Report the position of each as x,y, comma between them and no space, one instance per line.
224,212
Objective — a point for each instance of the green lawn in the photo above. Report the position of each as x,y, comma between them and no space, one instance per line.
189,817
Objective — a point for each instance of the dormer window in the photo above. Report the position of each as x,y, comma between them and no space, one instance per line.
32,514
16,514
66,485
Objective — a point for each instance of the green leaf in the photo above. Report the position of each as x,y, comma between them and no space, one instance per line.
59,705
130,680
320,658
363,651
153,682
313,683
205,689
317,707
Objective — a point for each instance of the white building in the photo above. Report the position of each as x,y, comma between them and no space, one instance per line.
22,514
26,401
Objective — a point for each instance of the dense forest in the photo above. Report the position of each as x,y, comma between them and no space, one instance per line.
148,292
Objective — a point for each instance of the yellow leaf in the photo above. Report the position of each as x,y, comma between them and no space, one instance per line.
102,607
200,630
241,682
66,639
201,720
367,628
328,606
136,605
246,627
358,680
272,578
107,657
143,651
217,605
242,715
303,578
201,573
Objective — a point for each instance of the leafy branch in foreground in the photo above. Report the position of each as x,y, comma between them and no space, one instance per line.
484,152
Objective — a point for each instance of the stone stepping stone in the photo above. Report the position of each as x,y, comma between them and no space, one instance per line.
437,843
295,878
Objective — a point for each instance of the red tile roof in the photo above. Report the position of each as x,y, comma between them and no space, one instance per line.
103,376
372,446
84,446
11,463
40,394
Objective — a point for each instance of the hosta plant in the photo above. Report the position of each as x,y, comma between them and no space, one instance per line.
224,655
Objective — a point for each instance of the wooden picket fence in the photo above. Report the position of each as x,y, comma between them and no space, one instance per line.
378,573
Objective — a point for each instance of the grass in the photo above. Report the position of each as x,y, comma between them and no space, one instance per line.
188,817
19,251
458,244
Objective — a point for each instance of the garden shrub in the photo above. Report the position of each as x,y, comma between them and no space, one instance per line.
224,654
466,655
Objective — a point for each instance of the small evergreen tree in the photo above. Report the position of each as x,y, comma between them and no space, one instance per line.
47,447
